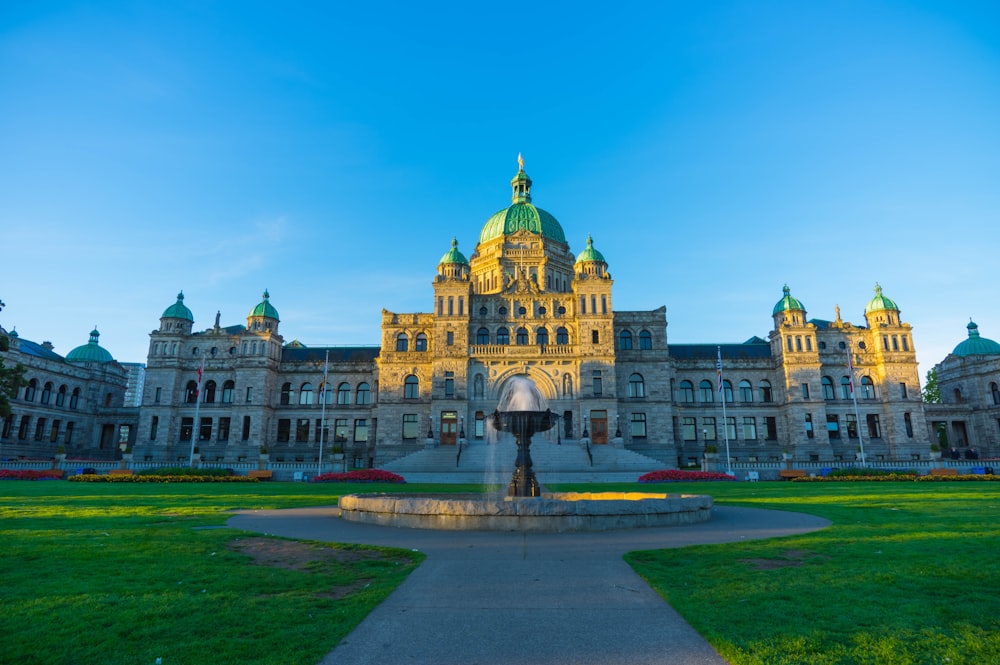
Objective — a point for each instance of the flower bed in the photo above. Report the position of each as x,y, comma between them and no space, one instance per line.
900,477
27,474
360,476
676,475
94,478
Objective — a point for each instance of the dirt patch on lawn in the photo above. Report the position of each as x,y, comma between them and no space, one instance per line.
790,559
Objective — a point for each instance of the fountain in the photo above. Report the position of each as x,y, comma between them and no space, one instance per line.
522,411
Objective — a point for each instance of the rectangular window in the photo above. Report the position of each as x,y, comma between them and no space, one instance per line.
246,428
205,429
809,343
902,390
54,435
809,426
832,426
805,391
908,421
479,430
895,343
731,427
187,428
451,305
798,343
340,430
688,429
449,338
224,429
583,304
154,424
69,432
322,432
874,429
461,305
771,428
852,426
604,304
708,425
22,430
40,429
885,342
284,429
790,342
360,430
156,396
249,394
8,423
302,429
598,384
449,384
409,425
593,304
637,426
749,428
440,308
906,343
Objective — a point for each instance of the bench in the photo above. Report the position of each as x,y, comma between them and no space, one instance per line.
121,472
944,472
260,474
788,474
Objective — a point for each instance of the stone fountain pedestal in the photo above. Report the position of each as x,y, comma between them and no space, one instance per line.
523,424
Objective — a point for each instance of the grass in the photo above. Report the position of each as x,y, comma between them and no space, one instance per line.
128,573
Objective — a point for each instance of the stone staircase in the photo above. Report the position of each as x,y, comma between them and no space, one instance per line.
494,463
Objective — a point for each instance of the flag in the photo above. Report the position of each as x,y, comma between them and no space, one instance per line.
322,386
850,370
201,370
718,367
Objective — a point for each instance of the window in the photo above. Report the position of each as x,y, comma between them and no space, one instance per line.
22,430
449,384
322,431
908,422
364,394
832,426
191,392
765,390
542,337
30,390
686,395
809,426
625,340
402,342
47,392
770,428
706,392
69,433
479,430
205,429
645,340
302,429
224,429
636,386
598,383
227,392
502,311
482,336
421,344
708,425
727,391
306,394
411,387
828,388
852,426
61,395
344,394
286,394
688,429
595,337
874,429
39,429
249,394
731,428
210,387
8,423
74,398
360,430
284,429
522,336
246,428
845,387
746,391
867,388
637,426
409,425
562,336
503,336
749,428
154,424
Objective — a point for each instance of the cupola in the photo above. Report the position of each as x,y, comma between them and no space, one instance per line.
789,310
881,310
177,318
521,214
976,345
591,262
263,317
91,352
453,265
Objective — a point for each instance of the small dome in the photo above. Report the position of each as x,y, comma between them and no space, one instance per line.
265,308
522,214
880,302
976,345
589,253
178,310
788,303
453,255
91,352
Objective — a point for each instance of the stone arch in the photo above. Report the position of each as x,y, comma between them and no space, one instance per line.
546,385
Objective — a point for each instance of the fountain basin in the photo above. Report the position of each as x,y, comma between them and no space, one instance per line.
551,512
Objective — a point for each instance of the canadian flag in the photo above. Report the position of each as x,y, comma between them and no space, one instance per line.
201,370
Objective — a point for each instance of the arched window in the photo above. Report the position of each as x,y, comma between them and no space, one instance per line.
74,398
402,342
482,336
867,388
30,390
845,387
828,388
286,394
686,394
522,336
61,396
562,336
191,392
746,391
46,392
364,394
344,393
636,386
209,392
542,337
421,344
727,391
995,391
503,336
707,392
306,394
411,387
765,390
227,392
625,340
645,340
478,387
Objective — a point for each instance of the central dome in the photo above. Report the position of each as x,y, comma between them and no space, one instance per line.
522,214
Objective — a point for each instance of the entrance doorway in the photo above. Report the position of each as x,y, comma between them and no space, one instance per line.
449,428
568,425
598,427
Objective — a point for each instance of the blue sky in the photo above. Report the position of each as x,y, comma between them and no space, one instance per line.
329,152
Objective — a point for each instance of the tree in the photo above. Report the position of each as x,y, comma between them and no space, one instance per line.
11,379
932,391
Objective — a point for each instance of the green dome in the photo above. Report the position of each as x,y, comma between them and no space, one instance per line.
178,310
522,214
91,352
976,345
787,303
879,302
453,255
265,308
590,254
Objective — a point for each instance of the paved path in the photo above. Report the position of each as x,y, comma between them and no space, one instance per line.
536,599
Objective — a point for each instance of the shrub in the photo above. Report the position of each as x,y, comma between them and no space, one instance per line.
676,475
184,471
28,474
94,478
360,476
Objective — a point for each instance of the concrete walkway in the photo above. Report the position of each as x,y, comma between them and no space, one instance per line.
541,599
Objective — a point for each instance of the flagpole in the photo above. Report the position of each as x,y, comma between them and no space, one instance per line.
322,417
725,422
197,406
857,414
